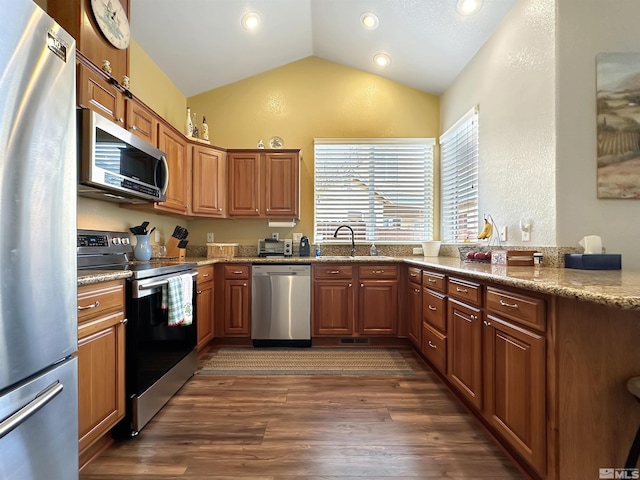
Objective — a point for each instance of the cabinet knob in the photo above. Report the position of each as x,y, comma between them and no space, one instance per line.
362,284
134,127
509,305
124,321
244,284
267,209
199,292
256,210
350,285
220,209
432,308
417,290
87,307
121,120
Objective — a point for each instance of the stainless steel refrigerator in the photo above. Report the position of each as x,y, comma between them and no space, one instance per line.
38,326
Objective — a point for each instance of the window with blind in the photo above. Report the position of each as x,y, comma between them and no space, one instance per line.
382,188
459,179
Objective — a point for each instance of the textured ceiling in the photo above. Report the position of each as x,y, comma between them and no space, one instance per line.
200,44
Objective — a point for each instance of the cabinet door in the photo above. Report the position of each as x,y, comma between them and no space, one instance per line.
96,94
464,350
514,393
174,145
282,185
208,179
414,296
205,310
237,304
142,122
101,395
243,184
378,307
333,307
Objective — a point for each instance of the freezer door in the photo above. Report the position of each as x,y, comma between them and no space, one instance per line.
39,426
38,318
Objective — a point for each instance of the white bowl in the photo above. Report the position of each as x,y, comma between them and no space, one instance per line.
431,249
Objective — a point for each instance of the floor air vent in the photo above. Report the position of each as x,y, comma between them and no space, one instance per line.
358,340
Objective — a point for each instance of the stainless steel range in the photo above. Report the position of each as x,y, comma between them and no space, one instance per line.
159,358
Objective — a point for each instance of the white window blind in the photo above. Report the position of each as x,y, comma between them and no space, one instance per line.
382,188
459,188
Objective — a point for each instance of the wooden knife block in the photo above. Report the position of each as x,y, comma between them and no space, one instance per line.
174,251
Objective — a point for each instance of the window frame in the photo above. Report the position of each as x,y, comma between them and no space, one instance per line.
371,231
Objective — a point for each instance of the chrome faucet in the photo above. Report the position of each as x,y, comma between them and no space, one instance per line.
353,243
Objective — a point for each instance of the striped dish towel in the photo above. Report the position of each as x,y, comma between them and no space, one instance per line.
177,298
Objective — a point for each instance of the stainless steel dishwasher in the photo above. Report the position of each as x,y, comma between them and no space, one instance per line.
281,306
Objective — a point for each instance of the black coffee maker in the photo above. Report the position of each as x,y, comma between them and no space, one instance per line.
305,248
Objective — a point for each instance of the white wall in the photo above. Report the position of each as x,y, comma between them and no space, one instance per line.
512,80
586,28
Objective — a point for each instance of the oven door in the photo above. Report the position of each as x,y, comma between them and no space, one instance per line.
152,346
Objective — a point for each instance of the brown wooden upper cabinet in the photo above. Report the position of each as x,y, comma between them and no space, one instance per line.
263,183
174,145
209,181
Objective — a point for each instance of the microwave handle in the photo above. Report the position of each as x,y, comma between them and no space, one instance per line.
166,174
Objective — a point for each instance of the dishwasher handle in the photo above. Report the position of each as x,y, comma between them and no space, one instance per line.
274,274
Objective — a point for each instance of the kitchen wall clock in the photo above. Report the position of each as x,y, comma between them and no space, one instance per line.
112,21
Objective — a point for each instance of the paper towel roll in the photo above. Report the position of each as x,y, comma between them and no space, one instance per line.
591,244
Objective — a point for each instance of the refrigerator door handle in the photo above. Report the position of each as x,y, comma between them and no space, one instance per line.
22,415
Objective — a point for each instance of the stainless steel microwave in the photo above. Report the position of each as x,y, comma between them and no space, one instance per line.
116,165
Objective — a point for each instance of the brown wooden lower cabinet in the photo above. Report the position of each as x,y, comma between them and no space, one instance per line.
514,387
378,307
434,347
205,304
101,357
464,350
333,307
233,313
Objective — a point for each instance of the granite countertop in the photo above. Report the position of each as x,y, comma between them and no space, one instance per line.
615,288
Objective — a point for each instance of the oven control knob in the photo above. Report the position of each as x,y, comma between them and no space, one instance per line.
116,240
125,241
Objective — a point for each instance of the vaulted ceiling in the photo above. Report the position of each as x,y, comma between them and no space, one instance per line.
201,44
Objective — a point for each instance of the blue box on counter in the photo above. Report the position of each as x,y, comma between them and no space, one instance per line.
593,261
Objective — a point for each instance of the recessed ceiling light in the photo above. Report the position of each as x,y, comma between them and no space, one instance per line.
250,20
382,59
468,7
369,20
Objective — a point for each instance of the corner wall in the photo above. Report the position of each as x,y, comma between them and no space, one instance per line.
512,80
586,28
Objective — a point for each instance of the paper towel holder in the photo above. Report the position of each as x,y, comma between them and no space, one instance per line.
282,223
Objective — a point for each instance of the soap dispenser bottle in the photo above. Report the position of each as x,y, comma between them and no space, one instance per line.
373,251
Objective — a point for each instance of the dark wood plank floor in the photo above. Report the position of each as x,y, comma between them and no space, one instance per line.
314,427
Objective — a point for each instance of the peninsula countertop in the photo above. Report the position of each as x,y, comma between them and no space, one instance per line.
615,288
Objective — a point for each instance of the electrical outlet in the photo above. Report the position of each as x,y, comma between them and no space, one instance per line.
210,237
297,237
157,236
503,233
275,236
526,236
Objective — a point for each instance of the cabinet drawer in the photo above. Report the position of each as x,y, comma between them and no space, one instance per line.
205,274
434,309
434,347
434,281
236,271
519,308
376,272
98,299
414,275
333,271
464,290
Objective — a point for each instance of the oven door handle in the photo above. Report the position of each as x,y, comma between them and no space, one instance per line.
147,286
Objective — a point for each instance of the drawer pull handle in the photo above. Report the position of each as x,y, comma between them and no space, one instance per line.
462,290
413,274
134,128
487,324
432,308
124,321
417,290
205,275
199,292
378,271
431,344
473,317
237,272
510,305
87,307
333,272
431,280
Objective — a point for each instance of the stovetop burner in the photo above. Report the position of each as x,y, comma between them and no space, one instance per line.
102,250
